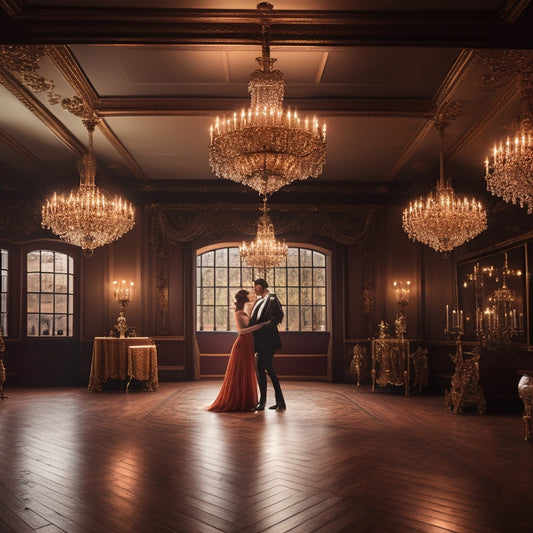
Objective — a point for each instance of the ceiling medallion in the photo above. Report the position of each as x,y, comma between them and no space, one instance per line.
88,217
265,251
266,147
442,220
509,170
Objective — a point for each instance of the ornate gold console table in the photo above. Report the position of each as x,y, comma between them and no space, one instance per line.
390,363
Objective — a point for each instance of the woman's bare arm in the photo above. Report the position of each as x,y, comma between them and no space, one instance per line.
251,329
242,320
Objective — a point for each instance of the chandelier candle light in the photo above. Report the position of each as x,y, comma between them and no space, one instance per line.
123,294
88,217
265,252
509,172
265,147
442,220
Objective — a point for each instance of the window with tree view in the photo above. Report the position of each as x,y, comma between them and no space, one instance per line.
50,293
3,290
300,284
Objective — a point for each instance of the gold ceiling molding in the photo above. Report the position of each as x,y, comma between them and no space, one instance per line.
111,106
25,97
462,66
496,107
26,61
513,9
69,68
503,65
442,100
23,152
409,150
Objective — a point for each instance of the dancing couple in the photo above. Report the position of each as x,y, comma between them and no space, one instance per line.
258,334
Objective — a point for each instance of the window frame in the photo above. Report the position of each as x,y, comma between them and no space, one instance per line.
282,290
72,306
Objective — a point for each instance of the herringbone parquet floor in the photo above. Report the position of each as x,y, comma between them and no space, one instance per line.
338,459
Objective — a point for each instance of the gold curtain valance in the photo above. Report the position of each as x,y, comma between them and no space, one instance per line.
173,224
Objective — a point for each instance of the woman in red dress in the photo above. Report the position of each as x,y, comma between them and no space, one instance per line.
239,388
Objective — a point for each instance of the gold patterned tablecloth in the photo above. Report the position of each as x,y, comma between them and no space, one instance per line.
142,365
110,359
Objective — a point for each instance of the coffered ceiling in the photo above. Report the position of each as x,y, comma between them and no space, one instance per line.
158,72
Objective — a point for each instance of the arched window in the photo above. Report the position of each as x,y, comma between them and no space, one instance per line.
50,293
300,284
4,256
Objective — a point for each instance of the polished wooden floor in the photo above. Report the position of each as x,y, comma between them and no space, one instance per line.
339,459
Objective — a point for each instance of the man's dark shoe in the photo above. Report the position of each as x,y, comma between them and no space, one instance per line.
259,407
279,405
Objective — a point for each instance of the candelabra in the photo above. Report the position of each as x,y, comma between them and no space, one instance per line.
455,324
402,291
123,294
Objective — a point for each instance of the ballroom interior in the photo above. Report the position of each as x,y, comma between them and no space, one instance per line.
404,102
379,176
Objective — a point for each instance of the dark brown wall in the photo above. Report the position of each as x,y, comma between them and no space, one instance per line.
362,295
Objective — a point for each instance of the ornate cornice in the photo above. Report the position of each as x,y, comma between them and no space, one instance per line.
71,71
108,133
65,62
39,110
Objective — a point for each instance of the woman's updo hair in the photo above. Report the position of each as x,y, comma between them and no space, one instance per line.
241,298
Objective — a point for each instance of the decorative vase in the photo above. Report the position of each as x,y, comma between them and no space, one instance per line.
525,391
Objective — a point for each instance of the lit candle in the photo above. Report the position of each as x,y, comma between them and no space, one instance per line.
447,318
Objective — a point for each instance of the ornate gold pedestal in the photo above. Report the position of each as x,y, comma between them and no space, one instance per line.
525,391
390,363
358,363
465,387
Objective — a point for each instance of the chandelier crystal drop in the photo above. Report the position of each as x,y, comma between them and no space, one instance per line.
265,147
509,171
265,251
88,216
442,220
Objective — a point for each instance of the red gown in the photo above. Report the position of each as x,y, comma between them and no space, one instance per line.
239,388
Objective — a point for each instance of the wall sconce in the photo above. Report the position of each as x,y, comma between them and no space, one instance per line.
123,294
402,291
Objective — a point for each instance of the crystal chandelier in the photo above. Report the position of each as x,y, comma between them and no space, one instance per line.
88,216
442,220
509,172
265,147
265,252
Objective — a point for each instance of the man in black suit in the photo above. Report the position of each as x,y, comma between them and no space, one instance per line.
266,340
